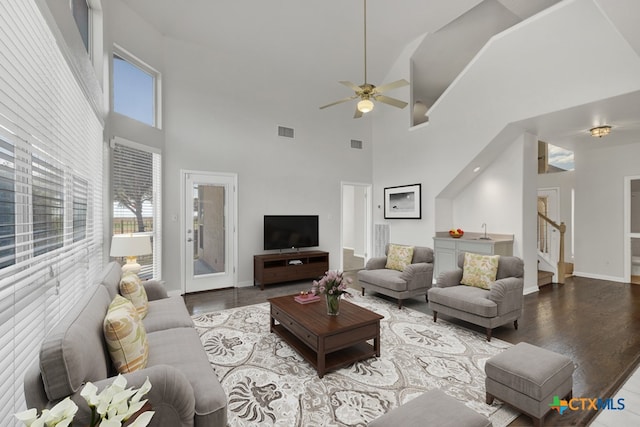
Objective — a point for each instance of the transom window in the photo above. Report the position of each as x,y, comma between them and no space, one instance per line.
135,87
80,11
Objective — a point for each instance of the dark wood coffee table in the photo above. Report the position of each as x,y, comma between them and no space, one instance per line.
327,342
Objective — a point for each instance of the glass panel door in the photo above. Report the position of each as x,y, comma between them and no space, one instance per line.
209,231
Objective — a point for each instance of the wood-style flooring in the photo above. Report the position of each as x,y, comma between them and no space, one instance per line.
595,322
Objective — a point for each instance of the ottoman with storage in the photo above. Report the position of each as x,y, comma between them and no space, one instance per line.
433,408
528,377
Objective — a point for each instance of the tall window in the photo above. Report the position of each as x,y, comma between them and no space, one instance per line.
47,205
135,88
7,205
51,202
135,180
80,11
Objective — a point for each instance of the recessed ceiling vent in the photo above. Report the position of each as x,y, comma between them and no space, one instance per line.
286,132
356,144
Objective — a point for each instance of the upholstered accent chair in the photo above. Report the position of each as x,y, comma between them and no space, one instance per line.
414,279
493,307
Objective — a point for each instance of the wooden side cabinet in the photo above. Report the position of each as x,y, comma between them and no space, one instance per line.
279,268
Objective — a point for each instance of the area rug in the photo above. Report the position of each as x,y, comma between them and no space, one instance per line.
268,383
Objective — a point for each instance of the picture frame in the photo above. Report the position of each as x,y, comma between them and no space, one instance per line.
403,202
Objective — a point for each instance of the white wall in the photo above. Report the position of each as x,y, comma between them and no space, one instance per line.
354,218
360,222
212,127
494,197
220,116
599,222
348,236
538,67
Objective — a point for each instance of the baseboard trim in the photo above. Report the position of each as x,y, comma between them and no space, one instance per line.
599,276
530,290
246,284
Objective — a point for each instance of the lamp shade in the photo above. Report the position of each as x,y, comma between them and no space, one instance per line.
130,245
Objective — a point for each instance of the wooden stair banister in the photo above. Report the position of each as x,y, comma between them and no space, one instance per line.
562,228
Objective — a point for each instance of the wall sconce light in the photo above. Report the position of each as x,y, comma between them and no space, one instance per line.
600,131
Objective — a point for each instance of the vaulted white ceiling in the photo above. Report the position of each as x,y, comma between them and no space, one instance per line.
321,42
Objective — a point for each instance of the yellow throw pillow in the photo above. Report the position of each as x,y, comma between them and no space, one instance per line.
131,288
479,270
125,336
399,257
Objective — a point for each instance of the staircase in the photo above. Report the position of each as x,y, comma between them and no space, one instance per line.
544,278
552,259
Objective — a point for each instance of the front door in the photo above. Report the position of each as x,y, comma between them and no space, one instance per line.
209,231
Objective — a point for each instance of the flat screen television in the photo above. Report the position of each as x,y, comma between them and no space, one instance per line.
290,231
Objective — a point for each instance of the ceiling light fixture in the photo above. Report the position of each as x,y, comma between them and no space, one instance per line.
600,131
365,106
476,169
368,92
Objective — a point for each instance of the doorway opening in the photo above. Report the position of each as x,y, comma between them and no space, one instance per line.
355,226
632,229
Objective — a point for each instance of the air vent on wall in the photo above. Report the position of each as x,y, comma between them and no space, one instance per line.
356,144
286,132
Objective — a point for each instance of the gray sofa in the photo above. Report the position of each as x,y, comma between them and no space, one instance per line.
416,279
489,308
185,389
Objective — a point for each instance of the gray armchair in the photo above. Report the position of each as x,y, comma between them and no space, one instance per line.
489,308
416,279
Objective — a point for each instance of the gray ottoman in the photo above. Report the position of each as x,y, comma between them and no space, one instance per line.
528,377
433,408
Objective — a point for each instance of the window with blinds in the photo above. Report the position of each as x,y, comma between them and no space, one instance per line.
51,158
136,186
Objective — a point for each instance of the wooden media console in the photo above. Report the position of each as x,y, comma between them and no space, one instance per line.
278,268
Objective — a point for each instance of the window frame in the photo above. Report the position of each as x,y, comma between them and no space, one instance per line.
156,233
127,56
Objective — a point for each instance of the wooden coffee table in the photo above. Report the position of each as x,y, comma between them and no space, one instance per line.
327,342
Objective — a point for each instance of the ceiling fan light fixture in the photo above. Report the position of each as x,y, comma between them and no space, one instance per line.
365,106
600,131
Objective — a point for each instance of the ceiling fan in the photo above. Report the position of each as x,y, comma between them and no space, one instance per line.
368,92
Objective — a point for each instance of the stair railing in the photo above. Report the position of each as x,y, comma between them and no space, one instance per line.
562,228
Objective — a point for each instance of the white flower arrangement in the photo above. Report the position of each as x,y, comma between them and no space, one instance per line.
112,407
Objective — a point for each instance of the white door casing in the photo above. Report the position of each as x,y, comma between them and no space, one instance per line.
208,230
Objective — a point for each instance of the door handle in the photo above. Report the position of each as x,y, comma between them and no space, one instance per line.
189,239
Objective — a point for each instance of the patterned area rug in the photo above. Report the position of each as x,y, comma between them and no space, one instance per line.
268,383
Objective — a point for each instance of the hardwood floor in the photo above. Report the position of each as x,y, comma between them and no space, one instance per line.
594,322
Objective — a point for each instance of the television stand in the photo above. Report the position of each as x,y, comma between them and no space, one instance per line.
278,268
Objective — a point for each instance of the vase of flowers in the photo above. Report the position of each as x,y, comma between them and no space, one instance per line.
333,285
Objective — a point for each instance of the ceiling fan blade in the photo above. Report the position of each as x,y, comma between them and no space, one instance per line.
390,86
390,101
349,98
358,113
351,86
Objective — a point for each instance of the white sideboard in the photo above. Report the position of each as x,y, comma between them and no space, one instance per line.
446,249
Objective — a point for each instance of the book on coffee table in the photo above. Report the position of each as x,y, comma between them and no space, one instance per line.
306,299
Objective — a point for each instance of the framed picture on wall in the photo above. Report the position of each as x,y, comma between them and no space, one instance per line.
403,202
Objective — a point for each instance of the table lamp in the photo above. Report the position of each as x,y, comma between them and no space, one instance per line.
130,246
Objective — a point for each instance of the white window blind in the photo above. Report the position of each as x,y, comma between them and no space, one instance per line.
51,165
137,204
